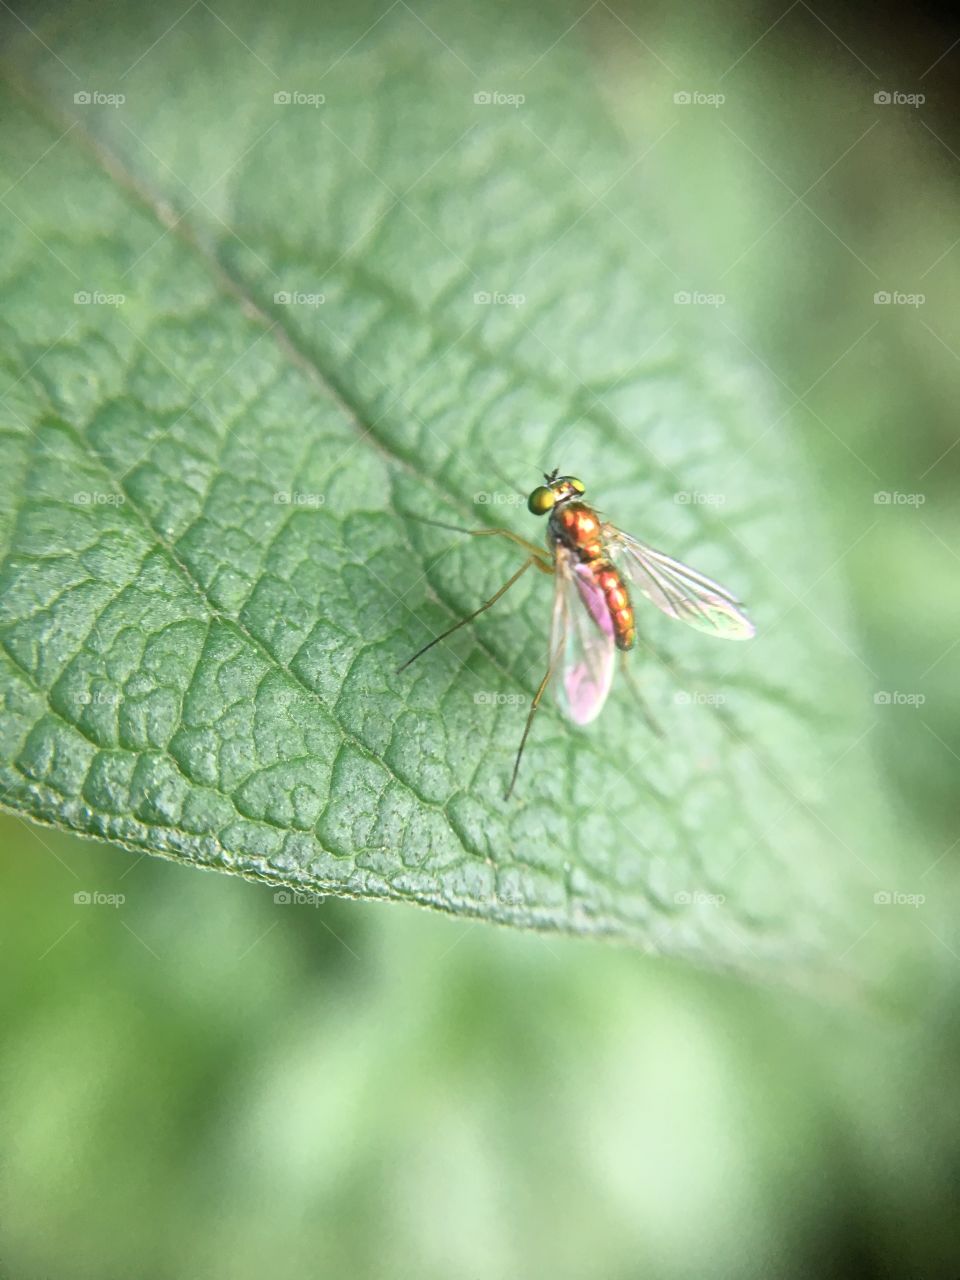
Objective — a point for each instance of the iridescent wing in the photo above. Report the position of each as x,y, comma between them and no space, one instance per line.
676,589
582,646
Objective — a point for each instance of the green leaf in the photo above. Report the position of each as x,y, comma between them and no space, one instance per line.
212,557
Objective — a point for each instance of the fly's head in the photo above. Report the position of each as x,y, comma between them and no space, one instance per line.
556,490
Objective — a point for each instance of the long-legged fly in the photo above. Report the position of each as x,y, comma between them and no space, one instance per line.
595,566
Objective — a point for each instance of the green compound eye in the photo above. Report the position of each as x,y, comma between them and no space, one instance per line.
577,484
541,500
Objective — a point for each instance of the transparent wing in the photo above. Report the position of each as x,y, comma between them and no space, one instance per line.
676,589
582,646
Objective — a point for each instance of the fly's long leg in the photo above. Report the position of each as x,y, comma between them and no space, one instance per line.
554,659
543,561
645,711
537,553
470,616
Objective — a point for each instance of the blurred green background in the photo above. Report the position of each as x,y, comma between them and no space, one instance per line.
205,1081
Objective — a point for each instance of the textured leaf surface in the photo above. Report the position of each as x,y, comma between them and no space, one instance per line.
211,567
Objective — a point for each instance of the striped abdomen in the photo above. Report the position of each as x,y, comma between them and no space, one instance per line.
577,526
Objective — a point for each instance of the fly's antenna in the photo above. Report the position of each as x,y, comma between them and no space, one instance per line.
552,476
